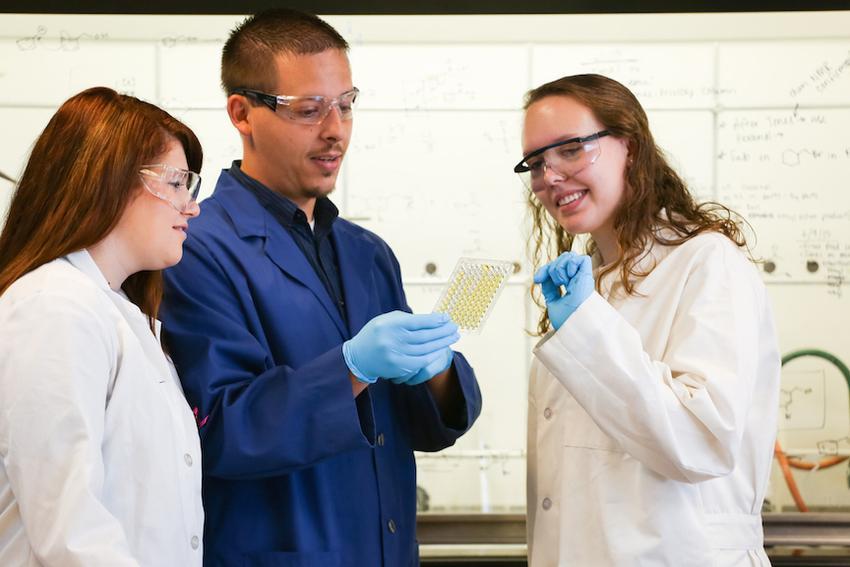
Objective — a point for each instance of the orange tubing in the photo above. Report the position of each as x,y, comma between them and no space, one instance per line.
825,463
789,477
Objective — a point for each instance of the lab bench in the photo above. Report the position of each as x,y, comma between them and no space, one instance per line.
498,540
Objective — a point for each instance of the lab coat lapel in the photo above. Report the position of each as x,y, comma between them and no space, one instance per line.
355,254
137,321
251,219
150,343
284,252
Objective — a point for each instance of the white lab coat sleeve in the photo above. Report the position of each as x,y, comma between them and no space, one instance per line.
56,359
682,416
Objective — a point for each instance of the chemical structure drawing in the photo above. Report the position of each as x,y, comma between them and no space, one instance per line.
786,398
802,399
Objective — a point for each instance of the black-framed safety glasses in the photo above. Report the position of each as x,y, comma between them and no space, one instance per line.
305,109
566,157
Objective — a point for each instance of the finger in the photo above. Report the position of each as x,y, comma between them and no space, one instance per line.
574,265
571,263
565,260
426,360
413,322
427,335
406,380
586,265
426,348
556,272
436,367
541,274
551,292
423,376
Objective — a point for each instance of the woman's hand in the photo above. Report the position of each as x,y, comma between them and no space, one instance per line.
574,273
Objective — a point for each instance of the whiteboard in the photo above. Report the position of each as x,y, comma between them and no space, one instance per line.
788,172
787,74
440,76
22,126
37,70
660,75
684,136
190,74
438,186
220,142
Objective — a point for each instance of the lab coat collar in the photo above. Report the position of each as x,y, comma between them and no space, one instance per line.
245,211
82,260
610,286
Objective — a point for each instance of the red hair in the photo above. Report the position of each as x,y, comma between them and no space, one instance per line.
80,177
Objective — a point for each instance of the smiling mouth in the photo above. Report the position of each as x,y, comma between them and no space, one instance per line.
572,197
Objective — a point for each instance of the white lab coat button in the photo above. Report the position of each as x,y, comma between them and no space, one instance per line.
547,413
196,541
547,503
188,458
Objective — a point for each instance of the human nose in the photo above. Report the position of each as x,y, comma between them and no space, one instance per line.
191,209
332,124
552,175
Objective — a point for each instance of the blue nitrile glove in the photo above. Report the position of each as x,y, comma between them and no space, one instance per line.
575,273
398,344
438,366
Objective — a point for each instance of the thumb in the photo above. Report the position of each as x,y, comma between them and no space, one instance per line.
551,292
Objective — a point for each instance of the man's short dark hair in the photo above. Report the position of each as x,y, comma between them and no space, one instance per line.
248,57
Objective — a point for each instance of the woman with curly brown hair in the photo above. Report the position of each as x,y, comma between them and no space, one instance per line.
100,454
654,390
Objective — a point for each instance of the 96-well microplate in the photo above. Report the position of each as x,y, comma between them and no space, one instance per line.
472,291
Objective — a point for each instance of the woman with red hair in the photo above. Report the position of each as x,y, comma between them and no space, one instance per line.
100,453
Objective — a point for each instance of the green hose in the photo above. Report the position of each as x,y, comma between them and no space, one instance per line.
819,354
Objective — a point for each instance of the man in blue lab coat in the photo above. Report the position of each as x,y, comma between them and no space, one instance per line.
311,381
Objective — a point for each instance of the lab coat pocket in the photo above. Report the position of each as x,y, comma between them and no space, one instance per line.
581,431
293,559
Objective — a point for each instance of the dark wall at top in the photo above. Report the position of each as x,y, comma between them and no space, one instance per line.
417,6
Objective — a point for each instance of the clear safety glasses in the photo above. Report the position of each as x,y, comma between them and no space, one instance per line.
306,109
177,187
565,158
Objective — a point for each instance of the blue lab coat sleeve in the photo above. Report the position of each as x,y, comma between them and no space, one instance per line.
421,409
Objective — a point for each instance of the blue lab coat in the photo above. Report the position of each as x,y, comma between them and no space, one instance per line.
297,472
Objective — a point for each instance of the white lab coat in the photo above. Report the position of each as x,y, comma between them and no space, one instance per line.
101,462
652,418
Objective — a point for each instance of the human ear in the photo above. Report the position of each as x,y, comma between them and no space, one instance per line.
237,110
629,146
